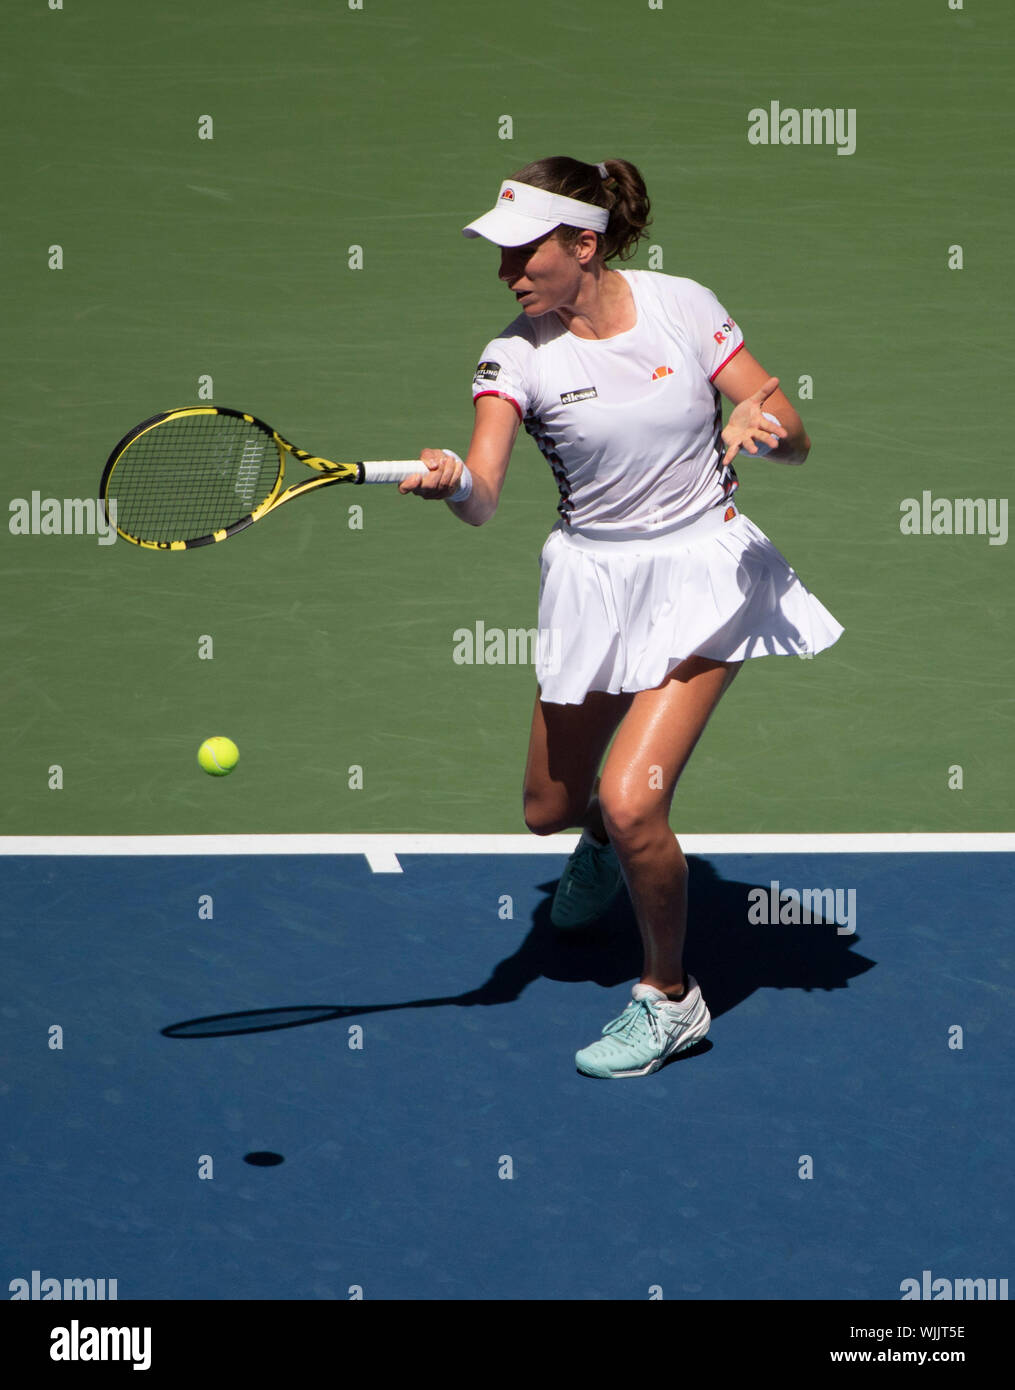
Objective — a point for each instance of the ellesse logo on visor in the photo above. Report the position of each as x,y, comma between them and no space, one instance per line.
509,194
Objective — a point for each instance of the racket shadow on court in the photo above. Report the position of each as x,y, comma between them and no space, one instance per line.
729,956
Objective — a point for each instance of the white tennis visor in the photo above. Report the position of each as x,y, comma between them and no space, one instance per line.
523,214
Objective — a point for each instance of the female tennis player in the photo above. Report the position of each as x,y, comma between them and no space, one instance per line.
655,587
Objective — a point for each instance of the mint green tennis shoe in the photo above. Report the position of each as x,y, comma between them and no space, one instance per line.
650,1030
591,880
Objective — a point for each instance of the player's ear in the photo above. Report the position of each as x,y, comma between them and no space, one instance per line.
587,246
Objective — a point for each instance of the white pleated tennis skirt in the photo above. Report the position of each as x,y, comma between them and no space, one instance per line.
618,615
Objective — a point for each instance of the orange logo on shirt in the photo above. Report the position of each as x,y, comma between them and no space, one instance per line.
730,513
509,194
661,371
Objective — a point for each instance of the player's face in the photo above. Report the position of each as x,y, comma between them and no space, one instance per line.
543,276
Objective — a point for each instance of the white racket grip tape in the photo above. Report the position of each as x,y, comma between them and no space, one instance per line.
396,471
391,470
764,449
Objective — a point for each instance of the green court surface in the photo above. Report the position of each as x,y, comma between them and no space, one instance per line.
381,129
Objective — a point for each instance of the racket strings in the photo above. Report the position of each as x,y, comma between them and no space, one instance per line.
191,476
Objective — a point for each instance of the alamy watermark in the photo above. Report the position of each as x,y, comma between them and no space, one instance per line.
778,906
480,645
788,125
77,1343
48,1288
927,1287
68,516
928,515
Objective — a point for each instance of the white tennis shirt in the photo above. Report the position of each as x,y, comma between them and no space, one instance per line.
630,425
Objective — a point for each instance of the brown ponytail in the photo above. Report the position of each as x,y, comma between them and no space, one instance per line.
623,192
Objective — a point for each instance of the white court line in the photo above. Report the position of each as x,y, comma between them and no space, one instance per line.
382,851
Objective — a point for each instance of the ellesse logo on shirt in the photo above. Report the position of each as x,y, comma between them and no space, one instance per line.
587,393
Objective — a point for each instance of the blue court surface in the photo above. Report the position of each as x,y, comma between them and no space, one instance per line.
404,1043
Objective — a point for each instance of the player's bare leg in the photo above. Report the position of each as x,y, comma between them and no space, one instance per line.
566,747
650,751
565,750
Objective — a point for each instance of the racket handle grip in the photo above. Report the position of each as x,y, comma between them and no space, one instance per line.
390,471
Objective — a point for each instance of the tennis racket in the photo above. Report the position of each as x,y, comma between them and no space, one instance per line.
198,475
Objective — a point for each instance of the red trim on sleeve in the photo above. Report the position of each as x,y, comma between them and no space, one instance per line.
503,398
727,362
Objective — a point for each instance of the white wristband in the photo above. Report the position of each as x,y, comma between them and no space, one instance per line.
764,449
464,489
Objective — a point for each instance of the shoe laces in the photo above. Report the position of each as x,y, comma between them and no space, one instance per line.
640,1013
585,866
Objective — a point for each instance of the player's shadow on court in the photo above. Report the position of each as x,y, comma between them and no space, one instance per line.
730,955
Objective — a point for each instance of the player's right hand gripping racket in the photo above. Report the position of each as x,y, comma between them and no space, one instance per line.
198,475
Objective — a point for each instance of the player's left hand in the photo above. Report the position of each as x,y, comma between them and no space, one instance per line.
439,475
747,426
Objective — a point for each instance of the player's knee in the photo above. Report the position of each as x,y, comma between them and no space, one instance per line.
544,816
632,823
540,822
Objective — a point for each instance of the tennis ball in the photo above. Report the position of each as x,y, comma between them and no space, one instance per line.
218,756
